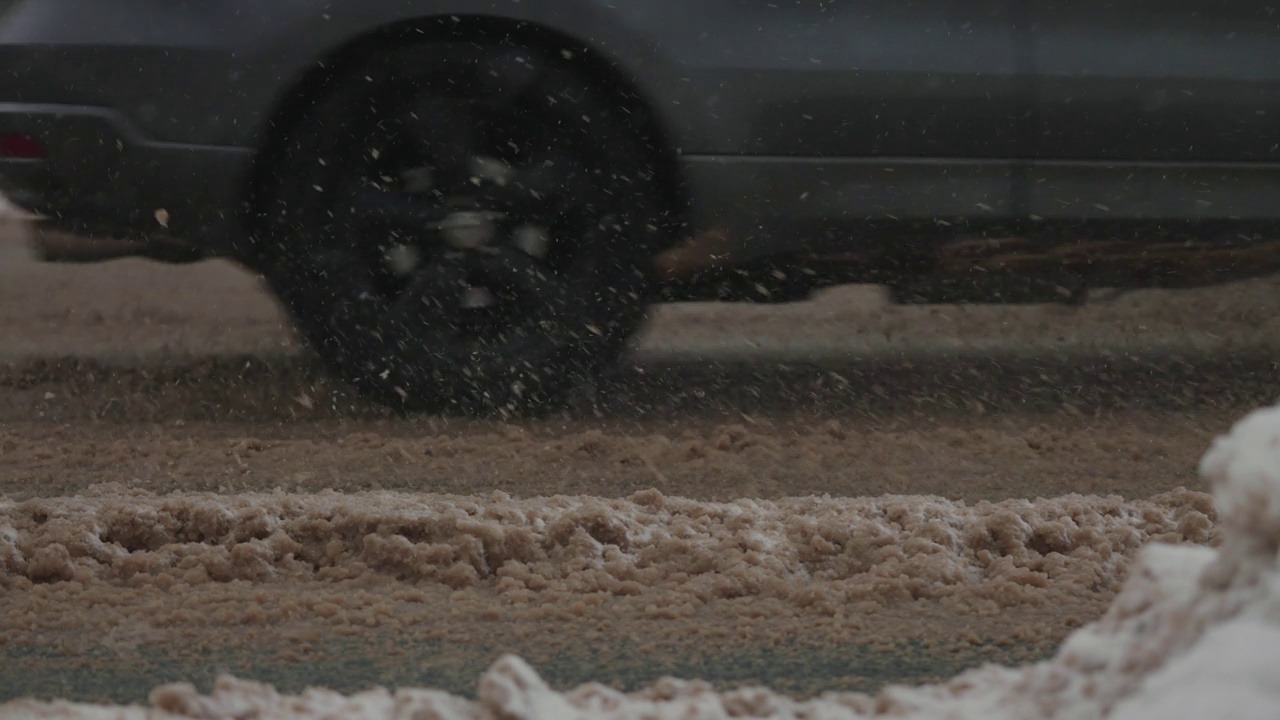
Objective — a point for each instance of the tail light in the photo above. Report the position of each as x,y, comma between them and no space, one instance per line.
21,147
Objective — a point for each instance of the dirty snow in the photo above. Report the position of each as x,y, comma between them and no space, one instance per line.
1195,631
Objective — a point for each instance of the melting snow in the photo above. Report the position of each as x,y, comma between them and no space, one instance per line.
1195,633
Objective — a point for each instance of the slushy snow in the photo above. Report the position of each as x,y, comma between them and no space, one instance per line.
1193,635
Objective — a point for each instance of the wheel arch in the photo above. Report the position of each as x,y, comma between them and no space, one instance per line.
289,110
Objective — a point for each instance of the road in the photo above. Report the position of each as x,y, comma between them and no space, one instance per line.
130,389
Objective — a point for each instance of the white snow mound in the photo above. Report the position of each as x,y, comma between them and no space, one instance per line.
1195,633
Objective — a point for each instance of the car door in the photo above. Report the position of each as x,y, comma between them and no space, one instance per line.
850,78
859,109
1144,108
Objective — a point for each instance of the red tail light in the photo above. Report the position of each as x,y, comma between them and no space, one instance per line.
21,147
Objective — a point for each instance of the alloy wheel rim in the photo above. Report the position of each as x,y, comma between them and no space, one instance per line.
471,205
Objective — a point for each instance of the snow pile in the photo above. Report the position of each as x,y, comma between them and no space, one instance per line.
830,551
1195,633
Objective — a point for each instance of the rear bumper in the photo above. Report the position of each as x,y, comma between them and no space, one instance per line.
100,176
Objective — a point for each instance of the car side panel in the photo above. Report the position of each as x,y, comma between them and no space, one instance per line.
1154,110
203,72
844,78
833,113
763,77
1156,80
769,77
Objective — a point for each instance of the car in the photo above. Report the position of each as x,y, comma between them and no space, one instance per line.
468,205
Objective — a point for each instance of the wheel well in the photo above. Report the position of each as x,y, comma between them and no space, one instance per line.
600,72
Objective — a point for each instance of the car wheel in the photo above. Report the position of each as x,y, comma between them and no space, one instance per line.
466,228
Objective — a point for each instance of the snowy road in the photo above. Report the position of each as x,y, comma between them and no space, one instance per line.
160,380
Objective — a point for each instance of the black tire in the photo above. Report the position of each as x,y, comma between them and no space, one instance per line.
351,187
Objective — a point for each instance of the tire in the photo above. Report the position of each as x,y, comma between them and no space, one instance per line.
464,228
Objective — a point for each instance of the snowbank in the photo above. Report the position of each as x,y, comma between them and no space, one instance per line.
837,551
1195,633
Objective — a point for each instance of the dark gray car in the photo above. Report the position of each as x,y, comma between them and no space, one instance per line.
468,204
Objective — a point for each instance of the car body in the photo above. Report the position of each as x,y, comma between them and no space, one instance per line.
863,129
